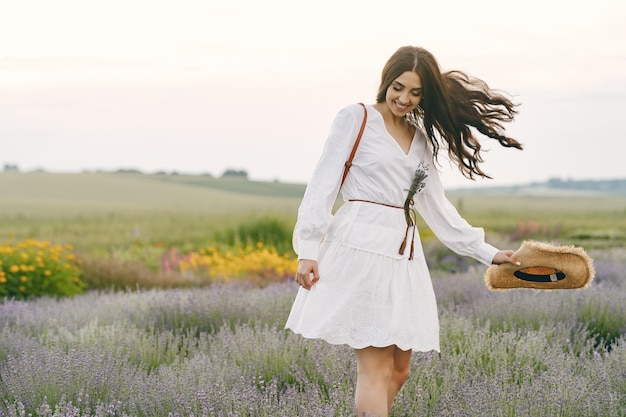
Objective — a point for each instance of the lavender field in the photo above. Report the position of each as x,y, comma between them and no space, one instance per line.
222,351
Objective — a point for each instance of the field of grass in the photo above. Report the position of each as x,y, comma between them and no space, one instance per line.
103,212
100,213
586,219
221,350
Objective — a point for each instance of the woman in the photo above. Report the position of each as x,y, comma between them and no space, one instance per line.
363,276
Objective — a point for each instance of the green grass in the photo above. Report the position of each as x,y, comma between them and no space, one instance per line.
590,220
45,195
238,185
104,213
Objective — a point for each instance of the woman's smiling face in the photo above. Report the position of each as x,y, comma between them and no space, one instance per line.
404,93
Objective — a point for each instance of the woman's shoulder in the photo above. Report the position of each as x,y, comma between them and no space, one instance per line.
354,109
350,114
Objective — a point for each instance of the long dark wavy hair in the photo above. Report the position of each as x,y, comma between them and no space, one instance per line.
452,103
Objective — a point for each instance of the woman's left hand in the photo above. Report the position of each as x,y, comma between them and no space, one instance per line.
505,257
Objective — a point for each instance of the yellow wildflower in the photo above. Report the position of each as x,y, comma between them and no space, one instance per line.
3,280
14,268
47,272
23,278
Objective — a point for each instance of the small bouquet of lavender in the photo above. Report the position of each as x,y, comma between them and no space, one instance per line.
416,186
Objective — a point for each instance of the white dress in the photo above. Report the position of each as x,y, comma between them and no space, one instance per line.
368,293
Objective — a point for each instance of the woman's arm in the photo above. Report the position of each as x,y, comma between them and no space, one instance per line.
314,214
452,229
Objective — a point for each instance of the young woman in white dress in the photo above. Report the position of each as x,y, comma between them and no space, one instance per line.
363,276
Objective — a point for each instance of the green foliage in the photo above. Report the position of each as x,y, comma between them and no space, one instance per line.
235,174
31,268
130,275
272,231
589,220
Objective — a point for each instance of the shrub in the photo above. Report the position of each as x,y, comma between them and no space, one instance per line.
271,231
33,268
118,274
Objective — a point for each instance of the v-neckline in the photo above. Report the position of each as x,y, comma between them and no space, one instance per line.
408,152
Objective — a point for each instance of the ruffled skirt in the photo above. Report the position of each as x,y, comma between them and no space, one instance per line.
365,298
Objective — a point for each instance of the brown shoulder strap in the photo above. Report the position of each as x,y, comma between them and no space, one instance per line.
356,145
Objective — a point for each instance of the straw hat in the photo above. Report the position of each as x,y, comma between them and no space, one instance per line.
543,266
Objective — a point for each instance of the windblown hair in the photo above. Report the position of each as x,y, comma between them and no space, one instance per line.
452,104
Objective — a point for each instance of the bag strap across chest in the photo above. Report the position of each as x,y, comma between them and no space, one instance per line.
348,163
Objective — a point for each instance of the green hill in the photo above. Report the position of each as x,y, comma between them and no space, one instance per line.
557,186
40,193
108,213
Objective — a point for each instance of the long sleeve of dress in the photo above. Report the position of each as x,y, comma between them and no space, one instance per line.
448,225
314,214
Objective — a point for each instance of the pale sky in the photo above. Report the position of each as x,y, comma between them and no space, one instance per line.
203,86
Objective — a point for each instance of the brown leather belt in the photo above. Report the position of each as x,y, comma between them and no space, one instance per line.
376,202
410,222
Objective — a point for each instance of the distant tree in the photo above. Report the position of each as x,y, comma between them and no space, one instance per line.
128,171
233,173
11,168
